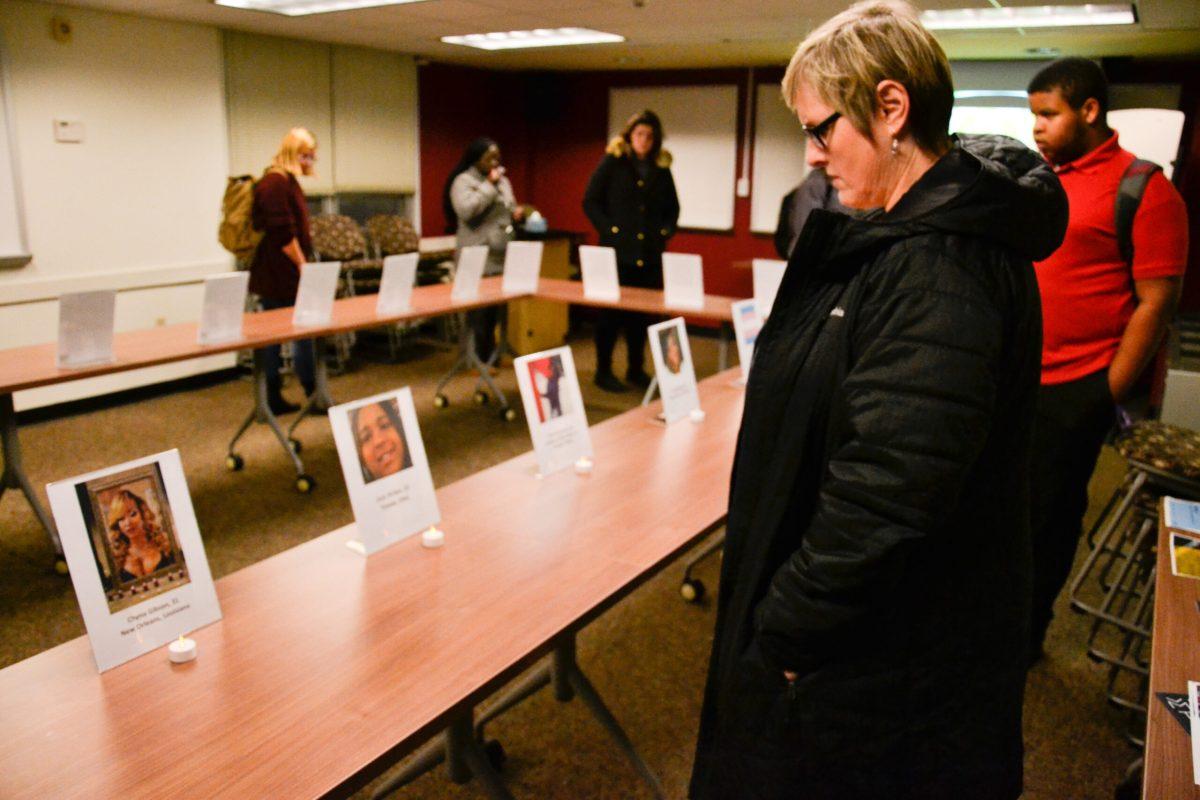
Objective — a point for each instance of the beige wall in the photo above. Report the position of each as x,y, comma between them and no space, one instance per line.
135,205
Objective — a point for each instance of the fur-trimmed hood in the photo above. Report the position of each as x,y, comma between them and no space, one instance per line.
619,148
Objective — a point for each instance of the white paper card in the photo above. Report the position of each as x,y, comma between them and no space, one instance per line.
136,557
85,328
396,285
224,308
522,265
683,280
1182,514
673,368
746,325
553,408
599,267
768,273
314,300
1193,712
468,273
386,470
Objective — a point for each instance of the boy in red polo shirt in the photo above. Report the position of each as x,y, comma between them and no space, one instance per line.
1103,317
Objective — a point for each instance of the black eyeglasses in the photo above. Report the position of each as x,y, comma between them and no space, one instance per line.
821,130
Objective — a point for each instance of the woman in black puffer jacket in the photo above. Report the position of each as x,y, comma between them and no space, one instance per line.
875,588
632,203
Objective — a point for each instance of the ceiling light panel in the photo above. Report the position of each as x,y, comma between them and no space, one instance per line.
964,19
300,8
539,37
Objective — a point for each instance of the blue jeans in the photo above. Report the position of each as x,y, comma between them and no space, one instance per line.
302,355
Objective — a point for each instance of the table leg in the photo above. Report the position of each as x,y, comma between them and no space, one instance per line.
14,476
723,338
261,412
564,675
468,358
569,675
464,757
321,397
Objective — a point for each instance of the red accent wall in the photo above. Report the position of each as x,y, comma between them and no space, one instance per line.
552,129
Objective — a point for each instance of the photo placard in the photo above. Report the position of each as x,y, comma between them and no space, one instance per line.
386,470
85,328
314,299
768,274
136,558
468,273
553,408
673,368
522,266
396,284
683,280
746,325
1181,514
224,308
599,267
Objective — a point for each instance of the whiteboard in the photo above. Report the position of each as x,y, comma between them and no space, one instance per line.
700,130
13,250
1150,133
778,157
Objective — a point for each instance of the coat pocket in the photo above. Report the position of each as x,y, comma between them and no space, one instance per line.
766,707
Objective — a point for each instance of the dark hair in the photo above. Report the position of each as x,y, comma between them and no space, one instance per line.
1077,79
646,117
470,156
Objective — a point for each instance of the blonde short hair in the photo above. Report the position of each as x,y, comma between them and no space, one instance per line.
288,157
846,58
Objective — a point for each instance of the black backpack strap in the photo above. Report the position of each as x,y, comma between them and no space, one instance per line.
1129,198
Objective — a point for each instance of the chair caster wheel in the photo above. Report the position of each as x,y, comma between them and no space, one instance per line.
234,462
481,398
508,414
440,400
296,445
60,566
495,754
305,484
692,590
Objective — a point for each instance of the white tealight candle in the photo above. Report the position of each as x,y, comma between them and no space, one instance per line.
697,415
182,650
433,537
583,466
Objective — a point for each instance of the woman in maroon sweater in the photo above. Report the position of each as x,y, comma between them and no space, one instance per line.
281,212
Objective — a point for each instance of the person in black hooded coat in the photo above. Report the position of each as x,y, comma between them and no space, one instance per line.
875,588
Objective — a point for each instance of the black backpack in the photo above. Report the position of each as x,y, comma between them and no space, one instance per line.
1129,198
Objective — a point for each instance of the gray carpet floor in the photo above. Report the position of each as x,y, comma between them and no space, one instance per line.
647,656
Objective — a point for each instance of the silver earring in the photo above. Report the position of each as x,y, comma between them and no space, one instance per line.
895,146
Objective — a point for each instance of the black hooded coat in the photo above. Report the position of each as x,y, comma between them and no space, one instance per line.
878,537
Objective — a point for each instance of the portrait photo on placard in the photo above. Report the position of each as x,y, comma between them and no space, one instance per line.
546,375
1185,556
133,535
380,440
672,350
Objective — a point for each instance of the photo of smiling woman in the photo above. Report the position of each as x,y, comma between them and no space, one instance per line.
380,441
133,536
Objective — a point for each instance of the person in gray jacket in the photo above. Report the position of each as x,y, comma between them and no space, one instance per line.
479,200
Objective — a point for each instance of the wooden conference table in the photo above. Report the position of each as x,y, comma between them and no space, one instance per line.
1174,660
35,365
328,666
